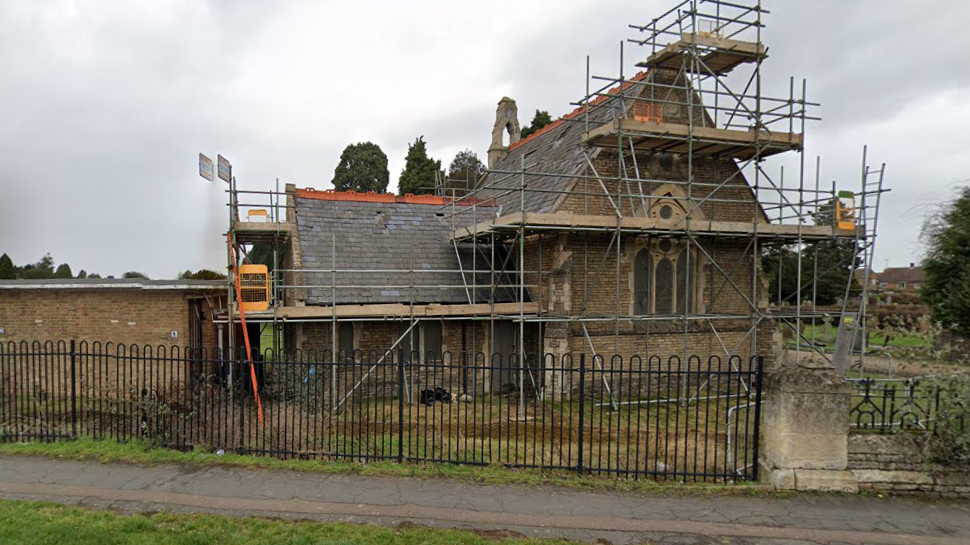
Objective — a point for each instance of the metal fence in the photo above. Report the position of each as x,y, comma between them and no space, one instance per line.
688,419
911,404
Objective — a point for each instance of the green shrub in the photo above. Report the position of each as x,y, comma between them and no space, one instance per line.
948,442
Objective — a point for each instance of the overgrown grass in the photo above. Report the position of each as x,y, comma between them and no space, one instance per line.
138,452
638,436
825,335
35,523
949,441
898,340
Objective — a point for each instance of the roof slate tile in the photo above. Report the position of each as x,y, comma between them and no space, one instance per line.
411,237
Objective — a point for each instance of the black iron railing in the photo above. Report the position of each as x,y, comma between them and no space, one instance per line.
668,418
906,404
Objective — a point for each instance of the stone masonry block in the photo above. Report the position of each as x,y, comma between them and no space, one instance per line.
826,480
812,412
902,477
884,446
953,477
782,479
810,451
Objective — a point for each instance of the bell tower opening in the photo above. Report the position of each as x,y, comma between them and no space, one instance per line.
506,126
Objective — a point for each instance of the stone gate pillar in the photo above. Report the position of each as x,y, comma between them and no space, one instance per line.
806,430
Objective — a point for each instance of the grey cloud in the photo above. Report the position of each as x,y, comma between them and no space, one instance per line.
868,59
104,113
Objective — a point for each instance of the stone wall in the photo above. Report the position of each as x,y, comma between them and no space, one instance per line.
894,464
808,445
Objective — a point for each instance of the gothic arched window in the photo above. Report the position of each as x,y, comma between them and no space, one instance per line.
664,278
642,273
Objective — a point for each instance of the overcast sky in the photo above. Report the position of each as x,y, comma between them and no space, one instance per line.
105,105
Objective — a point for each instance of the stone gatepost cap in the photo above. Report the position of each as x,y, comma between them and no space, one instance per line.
801,377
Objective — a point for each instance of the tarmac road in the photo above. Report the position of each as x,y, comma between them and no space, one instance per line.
551,512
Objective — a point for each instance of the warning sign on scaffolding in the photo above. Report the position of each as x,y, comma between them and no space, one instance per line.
225,169
205,167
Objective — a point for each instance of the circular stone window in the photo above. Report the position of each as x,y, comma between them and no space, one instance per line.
666,212
665,245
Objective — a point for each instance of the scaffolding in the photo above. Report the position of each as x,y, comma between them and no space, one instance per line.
697,108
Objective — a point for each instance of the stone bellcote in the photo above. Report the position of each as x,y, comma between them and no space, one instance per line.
506,119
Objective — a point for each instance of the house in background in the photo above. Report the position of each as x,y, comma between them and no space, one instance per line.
873,277
905,279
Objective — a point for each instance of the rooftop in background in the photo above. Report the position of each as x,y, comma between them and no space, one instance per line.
897,275
112,284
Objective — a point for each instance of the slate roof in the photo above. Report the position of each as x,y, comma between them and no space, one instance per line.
386,236
556,149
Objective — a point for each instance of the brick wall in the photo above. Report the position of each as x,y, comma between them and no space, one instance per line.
645,339
374,337
734,201
293,257
127,316
579,278
378,336
594,277
663,339
585,278
575,280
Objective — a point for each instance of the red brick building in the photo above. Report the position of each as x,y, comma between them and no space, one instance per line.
902,278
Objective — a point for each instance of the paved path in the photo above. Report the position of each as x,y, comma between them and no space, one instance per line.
618,518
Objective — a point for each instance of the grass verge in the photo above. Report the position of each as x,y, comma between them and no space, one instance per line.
137,452
826,335
36,523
